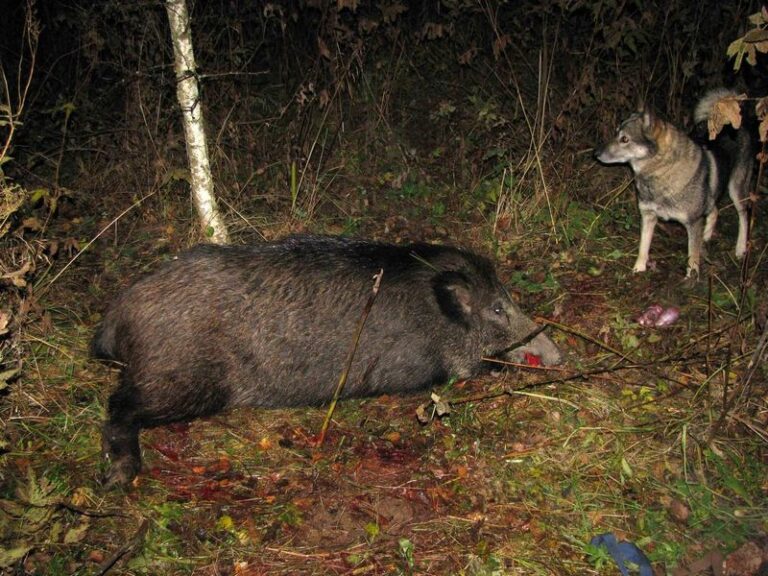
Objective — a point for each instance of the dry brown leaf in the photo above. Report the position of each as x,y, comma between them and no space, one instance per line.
762,129
32,224
323,48
393,437
725,111
17,278
500,44
391,12
679,511
433,30
468,56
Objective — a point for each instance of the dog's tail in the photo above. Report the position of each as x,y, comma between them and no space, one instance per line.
704,108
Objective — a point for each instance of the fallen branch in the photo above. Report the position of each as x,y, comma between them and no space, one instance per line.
130,548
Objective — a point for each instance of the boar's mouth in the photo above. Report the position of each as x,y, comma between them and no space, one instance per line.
522,342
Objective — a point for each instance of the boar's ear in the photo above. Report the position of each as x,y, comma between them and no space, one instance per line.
454,296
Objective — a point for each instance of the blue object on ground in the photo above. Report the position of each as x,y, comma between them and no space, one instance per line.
623,552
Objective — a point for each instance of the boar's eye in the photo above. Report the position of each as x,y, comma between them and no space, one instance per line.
623,138
498,309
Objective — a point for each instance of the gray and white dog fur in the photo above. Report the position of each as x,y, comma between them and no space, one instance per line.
680,179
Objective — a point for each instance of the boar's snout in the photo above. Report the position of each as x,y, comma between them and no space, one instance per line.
540,345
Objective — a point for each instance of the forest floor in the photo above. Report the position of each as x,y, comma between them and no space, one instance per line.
657,435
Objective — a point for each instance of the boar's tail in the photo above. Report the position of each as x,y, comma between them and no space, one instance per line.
103,343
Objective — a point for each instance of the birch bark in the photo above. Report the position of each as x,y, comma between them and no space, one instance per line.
188,94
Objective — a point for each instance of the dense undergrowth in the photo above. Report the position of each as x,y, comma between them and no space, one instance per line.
463,122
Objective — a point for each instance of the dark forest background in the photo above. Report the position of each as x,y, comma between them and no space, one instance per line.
391,93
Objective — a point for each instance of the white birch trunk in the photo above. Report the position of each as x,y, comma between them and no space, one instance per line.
194,128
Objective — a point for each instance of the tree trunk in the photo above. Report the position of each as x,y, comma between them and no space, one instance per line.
194,128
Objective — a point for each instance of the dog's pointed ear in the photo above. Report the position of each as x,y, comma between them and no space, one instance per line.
649,118
646,112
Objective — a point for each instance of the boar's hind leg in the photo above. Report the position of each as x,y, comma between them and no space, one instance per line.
120,438
174,397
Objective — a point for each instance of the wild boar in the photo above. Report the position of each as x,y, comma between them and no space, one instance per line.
270,325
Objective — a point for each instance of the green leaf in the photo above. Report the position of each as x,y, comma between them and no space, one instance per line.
77,534
12,508
735,47
756,19
225,523
630,341
405,547
626,468
38,194
68,108
9,556
372,530
37,493
7,376
738,488
178,175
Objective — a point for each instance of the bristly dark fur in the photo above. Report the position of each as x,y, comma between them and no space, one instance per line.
270,325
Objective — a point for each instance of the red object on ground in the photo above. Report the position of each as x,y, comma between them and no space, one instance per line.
532,359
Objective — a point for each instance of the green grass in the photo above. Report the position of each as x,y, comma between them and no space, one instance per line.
514,484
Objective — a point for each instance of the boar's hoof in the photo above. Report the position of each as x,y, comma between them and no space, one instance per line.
120,448
121,473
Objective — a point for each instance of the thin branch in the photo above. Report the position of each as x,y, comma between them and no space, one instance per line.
351,356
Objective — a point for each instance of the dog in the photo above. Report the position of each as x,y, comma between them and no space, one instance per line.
678,178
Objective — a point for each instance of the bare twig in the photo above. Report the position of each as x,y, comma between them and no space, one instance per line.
740,392
92,240
31,34
130,548
588,338
89,513
351,356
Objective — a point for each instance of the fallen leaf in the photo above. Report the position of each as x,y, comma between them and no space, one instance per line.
96,556
678,510
225,523
9,556
76,534
393,437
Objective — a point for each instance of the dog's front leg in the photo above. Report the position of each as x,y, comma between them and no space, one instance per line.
649,219
695,240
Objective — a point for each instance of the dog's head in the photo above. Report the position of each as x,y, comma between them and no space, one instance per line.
638,138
